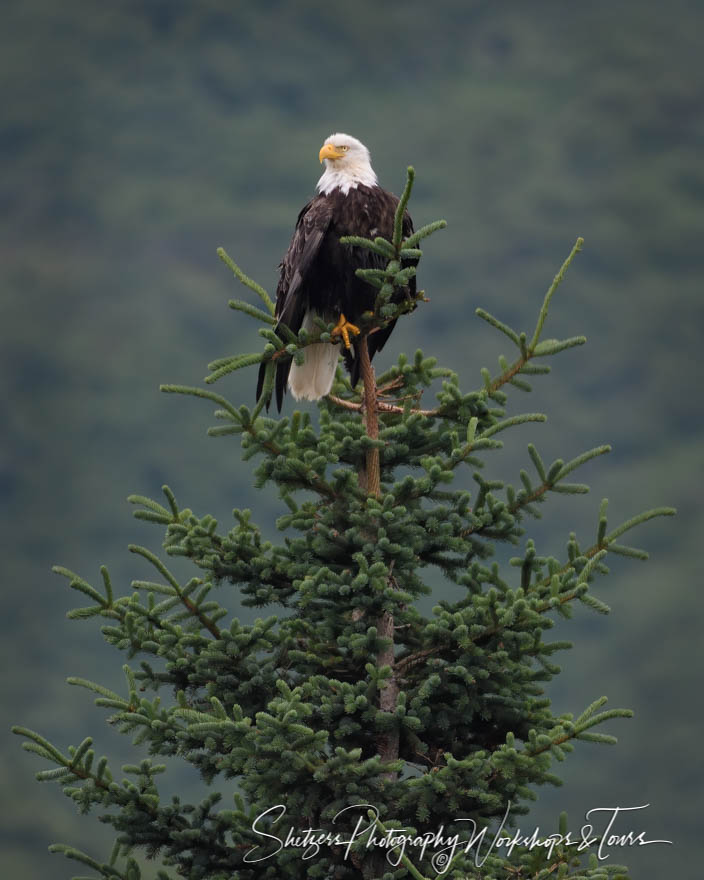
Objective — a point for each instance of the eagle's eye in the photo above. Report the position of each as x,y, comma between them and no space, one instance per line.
343,148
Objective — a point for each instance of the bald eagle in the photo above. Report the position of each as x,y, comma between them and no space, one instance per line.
318,272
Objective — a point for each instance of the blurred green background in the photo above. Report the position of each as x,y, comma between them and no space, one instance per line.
136,137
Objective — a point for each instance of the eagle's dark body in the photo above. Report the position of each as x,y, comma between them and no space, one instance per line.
318,272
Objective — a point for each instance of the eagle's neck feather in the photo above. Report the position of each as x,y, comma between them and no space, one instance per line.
360,174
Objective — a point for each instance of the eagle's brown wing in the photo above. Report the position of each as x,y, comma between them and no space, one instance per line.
291,300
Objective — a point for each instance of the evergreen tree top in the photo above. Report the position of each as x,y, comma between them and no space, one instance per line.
347,699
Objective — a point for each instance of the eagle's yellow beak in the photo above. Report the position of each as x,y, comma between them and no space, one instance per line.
327,151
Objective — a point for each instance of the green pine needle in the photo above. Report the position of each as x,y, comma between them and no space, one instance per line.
248,282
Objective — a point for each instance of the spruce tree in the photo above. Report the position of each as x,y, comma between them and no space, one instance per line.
345,709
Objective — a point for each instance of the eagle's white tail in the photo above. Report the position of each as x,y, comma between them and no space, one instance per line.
314,378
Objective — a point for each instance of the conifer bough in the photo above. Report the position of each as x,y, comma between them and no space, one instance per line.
345,693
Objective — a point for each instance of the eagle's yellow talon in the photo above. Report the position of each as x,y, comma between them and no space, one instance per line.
344,328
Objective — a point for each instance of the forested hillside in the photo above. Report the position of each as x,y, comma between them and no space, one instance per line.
135,138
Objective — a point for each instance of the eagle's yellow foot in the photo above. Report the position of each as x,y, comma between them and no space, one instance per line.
343,328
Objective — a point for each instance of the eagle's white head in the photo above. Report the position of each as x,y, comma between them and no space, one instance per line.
347,164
